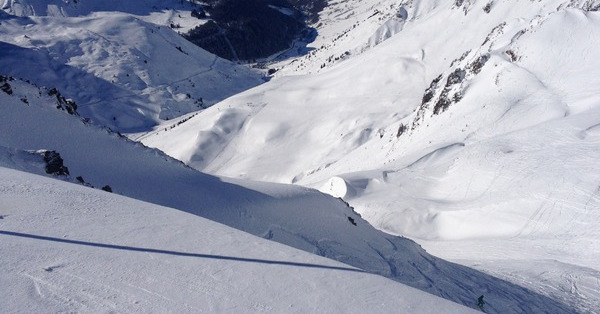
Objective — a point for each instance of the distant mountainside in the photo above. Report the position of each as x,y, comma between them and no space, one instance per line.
235,30
251,29
124,73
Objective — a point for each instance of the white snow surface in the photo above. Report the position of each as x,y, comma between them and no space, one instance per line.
296,216
68,248
512,160
124,71
470,126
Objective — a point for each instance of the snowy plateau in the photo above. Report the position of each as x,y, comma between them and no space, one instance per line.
413,156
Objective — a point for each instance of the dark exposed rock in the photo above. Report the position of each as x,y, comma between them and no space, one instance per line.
429,92
461,58
401,129
107,188
54,163
488,7
6,88
456,77
442,104
62,103
476,66
512,55
352,221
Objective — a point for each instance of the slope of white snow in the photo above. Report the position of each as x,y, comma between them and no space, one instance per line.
124,73
476,121
469,125
292,215
67,248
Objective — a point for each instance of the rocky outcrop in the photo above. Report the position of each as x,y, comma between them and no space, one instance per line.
54,163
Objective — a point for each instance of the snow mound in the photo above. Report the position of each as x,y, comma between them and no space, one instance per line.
337,187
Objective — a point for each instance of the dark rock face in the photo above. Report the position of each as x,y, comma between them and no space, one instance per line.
6,88
62,103
4,85
54,163
252,29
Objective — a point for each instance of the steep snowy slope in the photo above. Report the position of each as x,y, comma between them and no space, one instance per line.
296,216
67,248
476,121
123,72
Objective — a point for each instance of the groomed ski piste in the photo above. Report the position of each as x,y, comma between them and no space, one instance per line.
469,127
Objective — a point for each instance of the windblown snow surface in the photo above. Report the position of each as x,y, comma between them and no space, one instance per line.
470,126
75,233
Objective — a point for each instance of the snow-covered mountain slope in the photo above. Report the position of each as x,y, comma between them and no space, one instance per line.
346,29
476,121
67,248
292,215
124,73
166,13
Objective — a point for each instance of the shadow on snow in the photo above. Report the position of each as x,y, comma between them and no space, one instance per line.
175,253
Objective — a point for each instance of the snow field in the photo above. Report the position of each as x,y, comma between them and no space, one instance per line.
71,248
513,157
300,217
